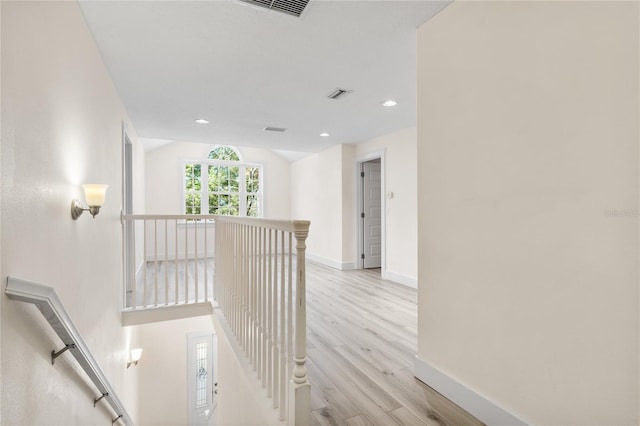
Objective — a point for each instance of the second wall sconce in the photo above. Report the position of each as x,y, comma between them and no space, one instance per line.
135,357
95,195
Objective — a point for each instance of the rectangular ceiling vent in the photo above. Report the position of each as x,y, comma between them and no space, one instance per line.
338,93
290,7
274,129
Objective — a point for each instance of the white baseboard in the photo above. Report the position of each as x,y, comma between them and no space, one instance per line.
477,405
342,266
400,279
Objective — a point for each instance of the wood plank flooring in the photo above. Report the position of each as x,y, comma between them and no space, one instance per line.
362,339
162,277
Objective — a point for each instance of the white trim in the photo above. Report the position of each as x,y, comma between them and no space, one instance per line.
335,264
363,158
400,279
160,313
471,401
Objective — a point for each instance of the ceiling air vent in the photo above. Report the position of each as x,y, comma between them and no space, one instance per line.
274,129
290,7
338,93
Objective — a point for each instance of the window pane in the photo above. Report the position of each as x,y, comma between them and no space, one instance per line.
201,374
192,203
253,206
192,175
213,203
234,179
253,179
214,179
234,207
223,178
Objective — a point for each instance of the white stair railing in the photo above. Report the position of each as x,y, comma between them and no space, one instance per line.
261,292
168,259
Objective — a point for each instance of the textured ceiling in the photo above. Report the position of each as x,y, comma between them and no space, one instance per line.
243,69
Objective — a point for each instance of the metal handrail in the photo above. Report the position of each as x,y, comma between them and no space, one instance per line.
47,301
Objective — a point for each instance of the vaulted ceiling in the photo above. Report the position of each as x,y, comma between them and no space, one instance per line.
243,68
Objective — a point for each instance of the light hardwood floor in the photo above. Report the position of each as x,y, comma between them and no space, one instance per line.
362,340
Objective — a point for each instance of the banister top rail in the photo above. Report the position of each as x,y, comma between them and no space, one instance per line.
280,225
47,301
169,216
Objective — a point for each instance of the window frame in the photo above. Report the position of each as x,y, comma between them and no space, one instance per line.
242,184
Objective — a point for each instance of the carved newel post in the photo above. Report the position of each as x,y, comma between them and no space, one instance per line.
299,387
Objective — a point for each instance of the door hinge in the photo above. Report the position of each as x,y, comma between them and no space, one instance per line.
361,174
362,255
361,214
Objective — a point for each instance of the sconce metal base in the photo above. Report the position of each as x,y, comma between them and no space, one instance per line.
76,209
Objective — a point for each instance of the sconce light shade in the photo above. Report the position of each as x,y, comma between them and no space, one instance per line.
134,357
95,195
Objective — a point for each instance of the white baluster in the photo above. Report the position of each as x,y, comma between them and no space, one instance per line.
274,342
195,262
144,292
264,307
175,263
186,261
283,360
290,311
155,262
134,281
166,262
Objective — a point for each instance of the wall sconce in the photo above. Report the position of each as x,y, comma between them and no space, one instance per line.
95,195
135,357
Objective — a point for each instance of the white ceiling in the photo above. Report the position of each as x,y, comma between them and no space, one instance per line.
244,69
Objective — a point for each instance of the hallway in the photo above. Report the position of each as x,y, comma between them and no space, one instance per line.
361,347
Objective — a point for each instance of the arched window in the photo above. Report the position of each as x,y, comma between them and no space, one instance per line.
226,153
222,184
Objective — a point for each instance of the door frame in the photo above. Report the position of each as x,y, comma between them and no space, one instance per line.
359,159
127,208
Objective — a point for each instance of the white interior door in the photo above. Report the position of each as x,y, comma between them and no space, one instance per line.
372,214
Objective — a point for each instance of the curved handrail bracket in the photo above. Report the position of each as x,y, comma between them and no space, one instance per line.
47,301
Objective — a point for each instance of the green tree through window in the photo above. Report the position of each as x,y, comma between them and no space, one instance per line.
223,185
224,153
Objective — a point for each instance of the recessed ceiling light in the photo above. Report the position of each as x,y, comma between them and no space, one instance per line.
389,103
202,121
324,134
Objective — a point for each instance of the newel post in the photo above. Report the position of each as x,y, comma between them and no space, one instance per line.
299,387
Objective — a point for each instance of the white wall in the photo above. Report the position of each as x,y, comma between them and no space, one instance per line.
165,175
324,190
61,127
400,175
318,195
162,370
241,398
528,206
